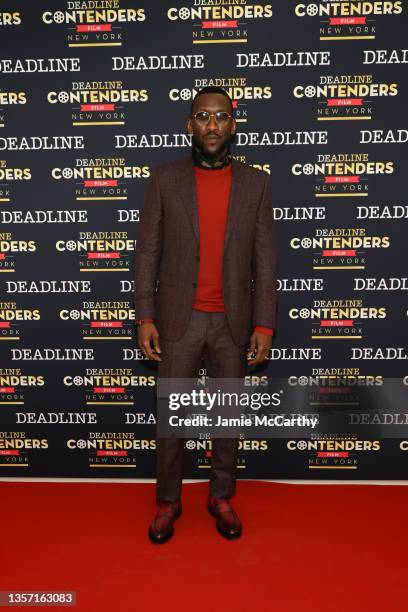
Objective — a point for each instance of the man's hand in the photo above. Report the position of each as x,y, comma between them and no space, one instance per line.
260,344
147,333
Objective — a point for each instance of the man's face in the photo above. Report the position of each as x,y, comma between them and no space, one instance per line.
212,138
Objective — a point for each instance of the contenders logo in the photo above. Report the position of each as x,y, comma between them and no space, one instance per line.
101,178
337,319
102,320
345,97
339,248
8,249
266,167
111,449
333,387
94,23
98,102
108,386
7,19
8,176
203,448
11,317
237,88
348,19
101,251
342,174
10,98
335,379
224,21
13,384
15,447
333,451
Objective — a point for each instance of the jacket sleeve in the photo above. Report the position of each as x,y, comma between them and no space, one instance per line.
264,262
148,250
264,330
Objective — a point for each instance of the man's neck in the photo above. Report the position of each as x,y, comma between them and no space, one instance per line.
208,163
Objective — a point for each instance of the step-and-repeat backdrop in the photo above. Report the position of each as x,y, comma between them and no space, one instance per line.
93,95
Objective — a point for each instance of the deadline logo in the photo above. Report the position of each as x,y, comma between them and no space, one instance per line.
9,176
11,317
14,383
101,251
15,447
224,22
10,98
333,451
108,449
108,386
8,249
97,102
341,248
94,23
101,178
345,97
342,174
102,320
337,319
348,19
237,88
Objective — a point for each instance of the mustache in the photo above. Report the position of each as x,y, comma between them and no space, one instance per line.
198,145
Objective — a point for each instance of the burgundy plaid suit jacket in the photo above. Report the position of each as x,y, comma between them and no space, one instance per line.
168,249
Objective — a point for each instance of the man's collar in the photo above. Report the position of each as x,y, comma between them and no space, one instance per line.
202,161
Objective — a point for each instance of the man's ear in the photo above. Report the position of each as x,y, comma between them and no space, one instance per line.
234,126
189,128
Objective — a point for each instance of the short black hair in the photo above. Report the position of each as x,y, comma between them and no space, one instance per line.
211,89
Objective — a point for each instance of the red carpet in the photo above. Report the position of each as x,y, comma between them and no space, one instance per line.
315,547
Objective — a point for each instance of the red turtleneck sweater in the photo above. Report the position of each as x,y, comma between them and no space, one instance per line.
213,189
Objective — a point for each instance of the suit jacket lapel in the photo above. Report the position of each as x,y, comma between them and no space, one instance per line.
186,185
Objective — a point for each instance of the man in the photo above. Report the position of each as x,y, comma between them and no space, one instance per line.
206,232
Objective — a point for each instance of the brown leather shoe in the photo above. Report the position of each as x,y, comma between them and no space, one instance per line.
161,528
228,523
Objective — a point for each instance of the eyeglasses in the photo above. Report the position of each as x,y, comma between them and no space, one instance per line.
203,117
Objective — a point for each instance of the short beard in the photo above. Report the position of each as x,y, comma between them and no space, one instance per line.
210,155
